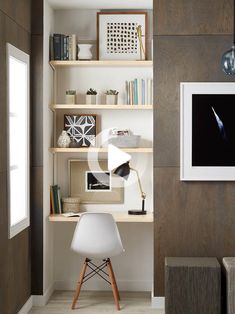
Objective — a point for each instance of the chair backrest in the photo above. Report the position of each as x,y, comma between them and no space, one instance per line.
97,236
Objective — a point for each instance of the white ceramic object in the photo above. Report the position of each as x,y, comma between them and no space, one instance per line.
70,99
111,99
90,99
63,140
84,52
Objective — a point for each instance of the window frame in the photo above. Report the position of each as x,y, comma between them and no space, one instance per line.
13,230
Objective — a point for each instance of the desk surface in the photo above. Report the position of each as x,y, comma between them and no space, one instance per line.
118,216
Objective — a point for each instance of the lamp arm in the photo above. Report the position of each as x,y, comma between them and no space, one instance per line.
143,195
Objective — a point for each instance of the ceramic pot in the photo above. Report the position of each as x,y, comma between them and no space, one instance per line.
63,140
90,99
84,52
111,99
70,99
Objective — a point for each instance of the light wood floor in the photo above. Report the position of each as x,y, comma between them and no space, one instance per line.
91,302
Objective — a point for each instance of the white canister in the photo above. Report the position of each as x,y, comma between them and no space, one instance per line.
84,52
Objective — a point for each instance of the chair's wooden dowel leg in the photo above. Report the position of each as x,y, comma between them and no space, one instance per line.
115,282
114,286
79,285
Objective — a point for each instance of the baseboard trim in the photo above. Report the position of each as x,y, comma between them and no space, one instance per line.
27,306
100,285
158,303
41,300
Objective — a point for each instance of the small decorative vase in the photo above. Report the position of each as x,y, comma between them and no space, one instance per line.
111,99
63,140
84,52
70,99
90,99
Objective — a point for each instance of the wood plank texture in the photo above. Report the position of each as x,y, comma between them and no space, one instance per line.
183,17
179,59
100,107
118,216
193,218
99,149
93,302
15,261
229,266
192,285
100,63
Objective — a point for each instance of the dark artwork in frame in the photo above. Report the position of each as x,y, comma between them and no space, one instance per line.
213,130
98,181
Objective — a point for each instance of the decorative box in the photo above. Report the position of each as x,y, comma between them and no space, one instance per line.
71,204
131,141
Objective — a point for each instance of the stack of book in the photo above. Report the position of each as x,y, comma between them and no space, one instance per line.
63,47
55,197
139,92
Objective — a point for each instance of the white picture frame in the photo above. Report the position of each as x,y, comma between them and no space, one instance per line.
190,95
117,37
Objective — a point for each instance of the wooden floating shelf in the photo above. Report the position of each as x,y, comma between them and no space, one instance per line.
55,150
118,217
100,107
99,63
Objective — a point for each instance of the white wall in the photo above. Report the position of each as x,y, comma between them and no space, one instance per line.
133,269
48,260
137,237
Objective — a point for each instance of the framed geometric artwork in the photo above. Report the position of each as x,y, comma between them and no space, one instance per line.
207,131
81,128
93,183
121,35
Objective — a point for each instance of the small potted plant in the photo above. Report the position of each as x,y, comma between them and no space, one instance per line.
91,96
111,97
70,96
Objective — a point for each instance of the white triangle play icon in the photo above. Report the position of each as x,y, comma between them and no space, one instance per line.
116,157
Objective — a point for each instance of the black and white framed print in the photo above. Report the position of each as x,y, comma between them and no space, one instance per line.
81,129
98,181
208,131
121,35
94,183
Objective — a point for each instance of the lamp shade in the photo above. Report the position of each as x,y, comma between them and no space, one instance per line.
123,170
116,157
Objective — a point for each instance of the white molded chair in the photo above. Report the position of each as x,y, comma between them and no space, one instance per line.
97,236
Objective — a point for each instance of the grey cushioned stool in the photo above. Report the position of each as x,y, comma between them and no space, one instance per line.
229,265
192,285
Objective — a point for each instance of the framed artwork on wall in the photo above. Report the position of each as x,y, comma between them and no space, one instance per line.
207,131
93,183
81,128
121,35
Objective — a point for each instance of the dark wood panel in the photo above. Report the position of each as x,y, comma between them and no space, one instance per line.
15,283
18,11
167,137
37,100
3,134
3,243
36,204
19,265
184,17
181,59
37,17
184,279
191,219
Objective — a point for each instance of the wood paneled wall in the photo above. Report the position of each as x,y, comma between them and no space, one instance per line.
37,147
15,260
191,218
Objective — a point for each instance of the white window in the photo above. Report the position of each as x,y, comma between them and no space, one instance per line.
18,139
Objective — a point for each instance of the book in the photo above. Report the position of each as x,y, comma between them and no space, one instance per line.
57,46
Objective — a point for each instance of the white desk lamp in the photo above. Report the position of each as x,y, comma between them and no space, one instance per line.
118,162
